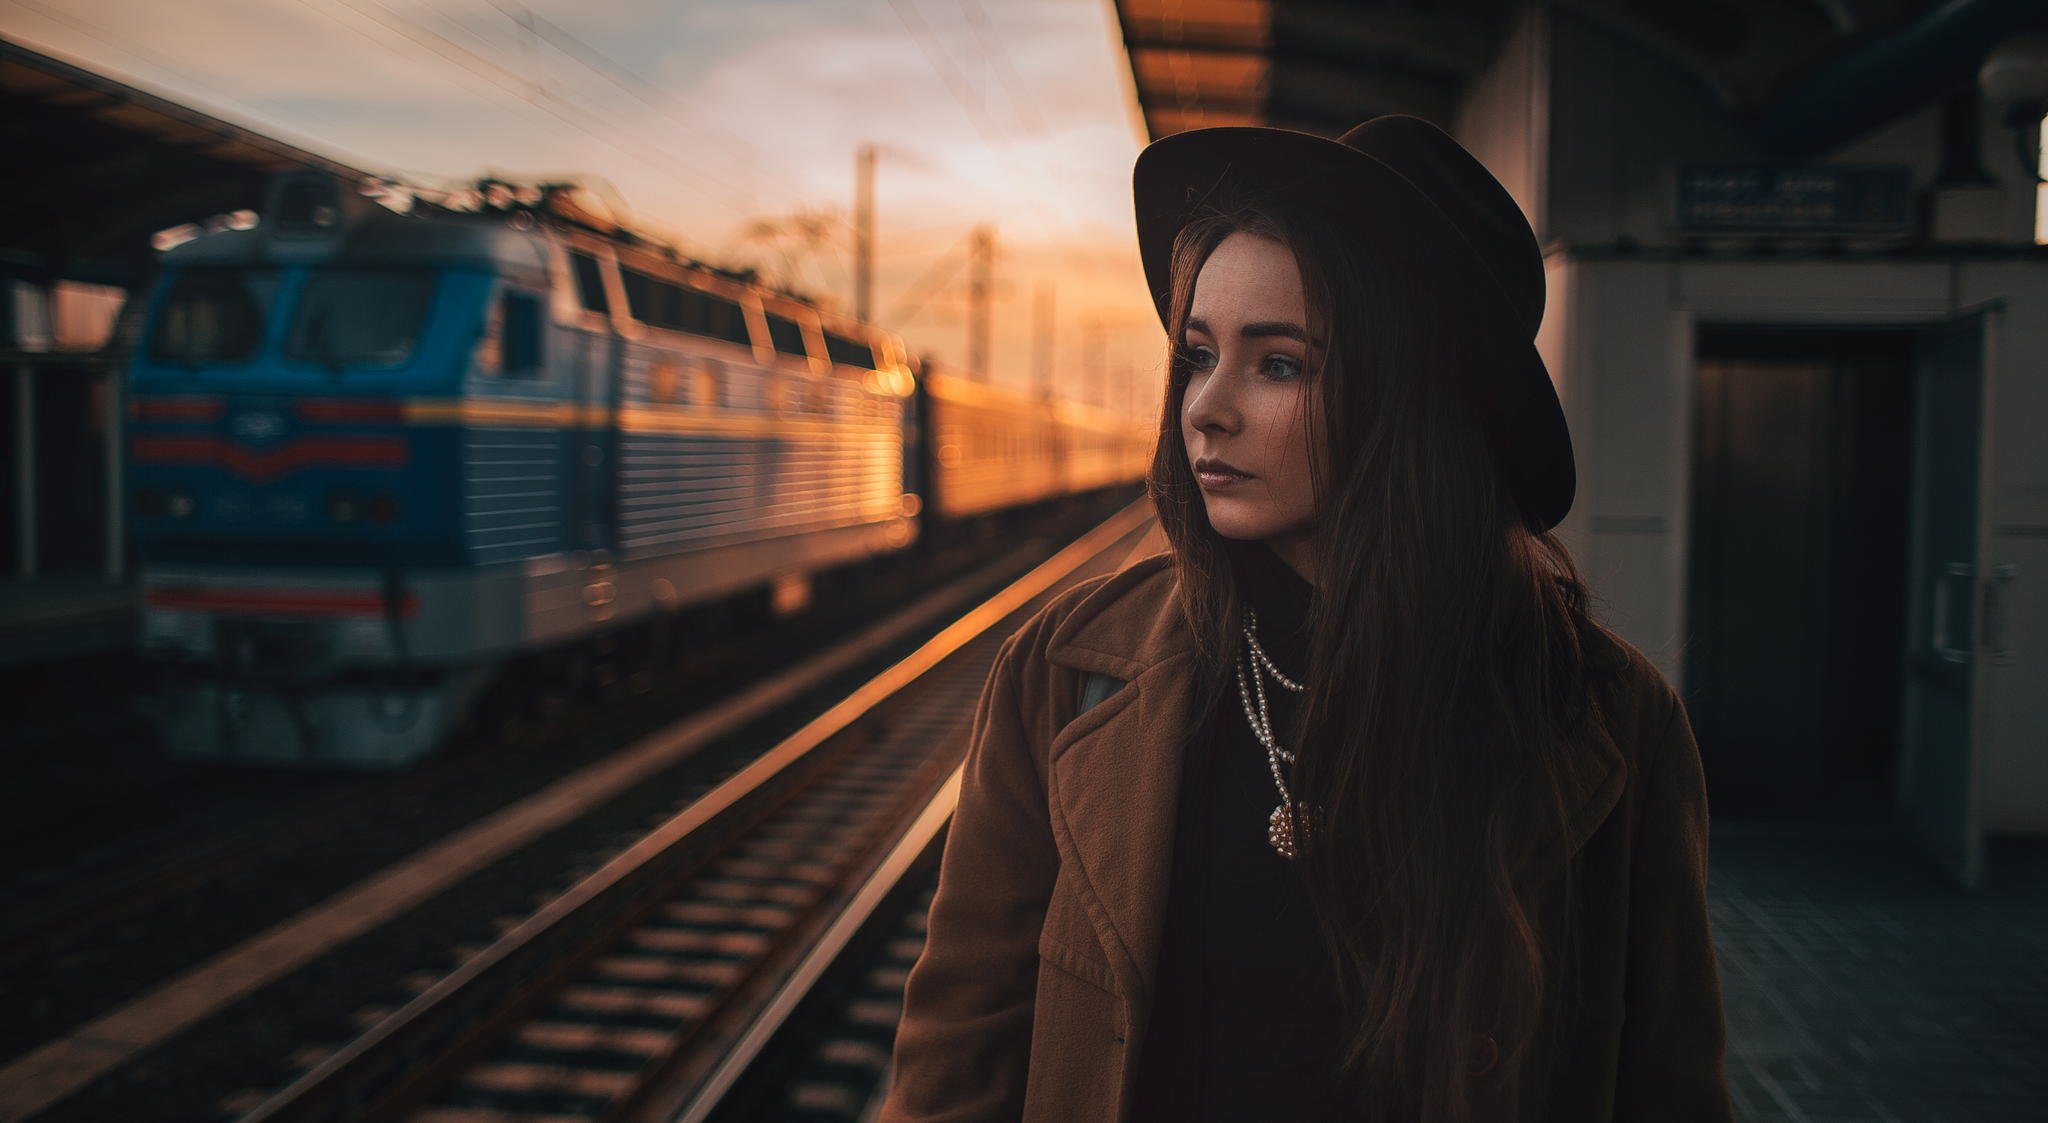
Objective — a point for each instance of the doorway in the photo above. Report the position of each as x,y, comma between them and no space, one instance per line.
1797,573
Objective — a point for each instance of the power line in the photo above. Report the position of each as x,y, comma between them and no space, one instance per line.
513,83
969,101
999,59
628,80
930,280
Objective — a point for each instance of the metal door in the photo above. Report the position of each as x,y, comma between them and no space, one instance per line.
1945,703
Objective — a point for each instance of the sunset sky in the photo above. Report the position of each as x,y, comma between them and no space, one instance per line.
708,117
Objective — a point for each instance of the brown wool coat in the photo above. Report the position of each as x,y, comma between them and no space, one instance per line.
1030,999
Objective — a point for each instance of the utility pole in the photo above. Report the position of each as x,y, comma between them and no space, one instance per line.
864,233
1042,339
978,301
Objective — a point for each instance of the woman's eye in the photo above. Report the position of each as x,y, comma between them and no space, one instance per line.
1280,368
1198,358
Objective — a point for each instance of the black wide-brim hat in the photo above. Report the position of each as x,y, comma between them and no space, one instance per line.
1415,193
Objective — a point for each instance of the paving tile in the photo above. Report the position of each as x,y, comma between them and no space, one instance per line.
1859,985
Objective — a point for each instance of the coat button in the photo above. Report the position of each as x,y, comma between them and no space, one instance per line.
1485,1054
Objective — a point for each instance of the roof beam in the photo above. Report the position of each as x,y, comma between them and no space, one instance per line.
1353,95
1447,43
1208,47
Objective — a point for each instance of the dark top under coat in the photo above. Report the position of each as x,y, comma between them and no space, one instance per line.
1245,1019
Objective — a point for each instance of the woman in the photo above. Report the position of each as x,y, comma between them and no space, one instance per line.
1379,823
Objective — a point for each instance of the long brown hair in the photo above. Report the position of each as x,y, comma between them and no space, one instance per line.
1452,657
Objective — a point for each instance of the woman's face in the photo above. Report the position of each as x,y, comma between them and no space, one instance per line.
1246,403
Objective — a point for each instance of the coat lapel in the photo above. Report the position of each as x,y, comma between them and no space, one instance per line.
1113,775
1114,792
1113,781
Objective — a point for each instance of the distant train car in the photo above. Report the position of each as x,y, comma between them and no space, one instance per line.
994,448
374,456
991,448
1100,448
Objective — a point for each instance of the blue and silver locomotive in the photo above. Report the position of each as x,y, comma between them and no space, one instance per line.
374,455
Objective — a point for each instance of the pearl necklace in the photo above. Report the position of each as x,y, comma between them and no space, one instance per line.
1279,825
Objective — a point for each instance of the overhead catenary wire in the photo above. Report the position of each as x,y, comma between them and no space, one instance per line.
942,64
929,283
1021,101
508,81
633,84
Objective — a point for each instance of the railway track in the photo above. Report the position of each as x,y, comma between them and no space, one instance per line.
646,989
707,867
206,857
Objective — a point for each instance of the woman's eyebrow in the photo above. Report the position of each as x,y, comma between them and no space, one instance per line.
1266,328
1261,330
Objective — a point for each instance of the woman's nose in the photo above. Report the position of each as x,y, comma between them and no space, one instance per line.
1209,405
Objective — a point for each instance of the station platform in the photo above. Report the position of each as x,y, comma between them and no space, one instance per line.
1860,985
47,620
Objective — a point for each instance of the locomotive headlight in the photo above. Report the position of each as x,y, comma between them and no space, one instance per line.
382,509
180,505
343,508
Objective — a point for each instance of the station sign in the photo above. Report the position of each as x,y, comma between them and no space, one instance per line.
1779,199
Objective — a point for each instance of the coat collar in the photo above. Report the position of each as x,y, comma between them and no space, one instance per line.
1114,773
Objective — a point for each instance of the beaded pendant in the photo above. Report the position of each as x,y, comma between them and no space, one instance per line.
1281,828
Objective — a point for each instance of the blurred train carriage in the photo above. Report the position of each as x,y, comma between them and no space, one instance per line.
375,456
994,448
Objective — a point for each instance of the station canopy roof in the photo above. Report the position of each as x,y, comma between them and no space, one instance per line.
1807,76
97,167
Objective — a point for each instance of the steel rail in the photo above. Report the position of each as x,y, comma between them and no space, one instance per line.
394,1065
902,858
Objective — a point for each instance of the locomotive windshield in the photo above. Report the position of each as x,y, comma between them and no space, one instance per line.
360,317
214,314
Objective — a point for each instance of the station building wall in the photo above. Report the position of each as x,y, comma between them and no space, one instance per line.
1587,130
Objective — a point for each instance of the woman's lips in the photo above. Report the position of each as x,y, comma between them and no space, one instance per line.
1212,480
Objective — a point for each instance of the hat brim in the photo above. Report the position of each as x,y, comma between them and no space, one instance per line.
1173,176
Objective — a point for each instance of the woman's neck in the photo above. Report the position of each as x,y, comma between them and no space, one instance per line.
1279,593
1296,550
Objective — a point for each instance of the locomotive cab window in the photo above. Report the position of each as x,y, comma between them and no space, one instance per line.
360,318
511,343
589,281
522,334
214,315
